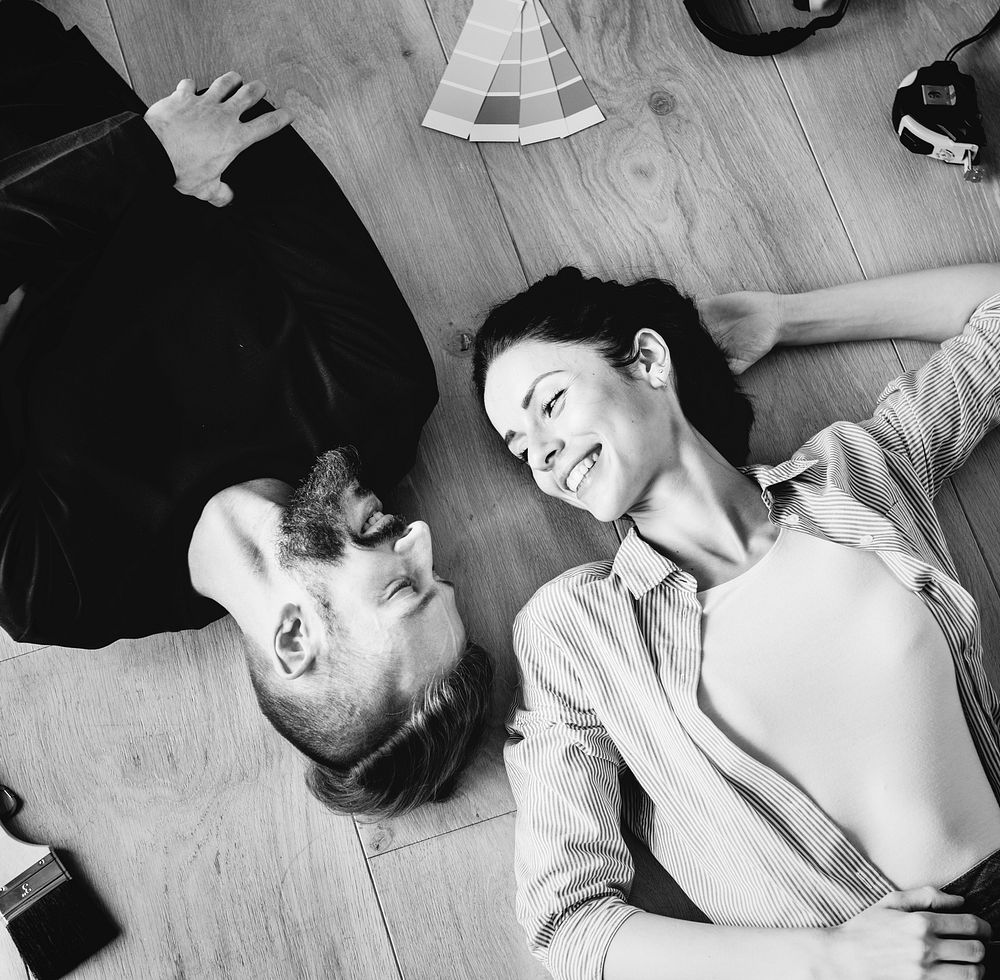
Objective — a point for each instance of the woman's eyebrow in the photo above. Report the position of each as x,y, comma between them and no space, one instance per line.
526,401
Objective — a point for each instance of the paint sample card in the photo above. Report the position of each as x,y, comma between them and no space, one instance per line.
499,114
511,79
541,110
472,67
578,105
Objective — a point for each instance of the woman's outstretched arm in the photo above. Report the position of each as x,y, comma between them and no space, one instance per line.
932,305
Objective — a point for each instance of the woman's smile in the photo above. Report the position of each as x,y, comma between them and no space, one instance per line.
579,476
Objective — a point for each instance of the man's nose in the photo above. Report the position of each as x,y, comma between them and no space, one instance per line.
415,546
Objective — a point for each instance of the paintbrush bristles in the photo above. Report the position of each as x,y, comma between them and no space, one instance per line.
61,930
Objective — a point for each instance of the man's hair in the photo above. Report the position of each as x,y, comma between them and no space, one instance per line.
371,749
566,308
368,752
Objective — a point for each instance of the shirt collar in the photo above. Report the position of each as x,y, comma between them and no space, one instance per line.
641,567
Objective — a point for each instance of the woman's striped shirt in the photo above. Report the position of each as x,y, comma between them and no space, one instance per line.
610,654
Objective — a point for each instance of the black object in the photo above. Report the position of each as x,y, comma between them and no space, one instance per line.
935,113
54,918
62,928
166,349
760,45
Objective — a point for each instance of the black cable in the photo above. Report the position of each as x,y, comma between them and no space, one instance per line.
990,25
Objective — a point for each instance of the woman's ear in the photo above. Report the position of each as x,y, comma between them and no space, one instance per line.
652,358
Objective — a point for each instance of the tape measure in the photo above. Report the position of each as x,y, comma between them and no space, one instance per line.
935,111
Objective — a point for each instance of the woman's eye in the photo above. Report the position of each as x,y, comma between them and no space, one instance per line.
551,403
400,586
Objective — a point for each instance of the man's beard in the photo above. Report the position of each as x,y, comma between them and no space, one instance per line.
314,526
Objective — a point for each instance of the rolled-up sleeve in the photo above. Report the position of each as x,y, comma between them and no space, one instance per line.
936,415
572,866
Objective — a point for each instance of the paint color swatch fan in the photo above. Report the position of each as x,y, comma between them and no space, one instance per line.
511,79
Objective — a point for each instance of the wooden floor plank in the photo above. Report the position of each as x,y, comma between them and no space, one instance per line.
94,19
904,211
186,814
681,182
10,649
358,79
461,926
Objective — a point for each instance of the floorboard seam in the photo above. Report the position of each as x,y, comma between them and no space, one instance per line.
23,653
482,157
444,833
118,41
812,151
975,537
378,900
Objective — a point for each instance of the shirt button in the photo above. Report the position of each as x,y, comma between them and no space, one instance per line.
866,540
792,519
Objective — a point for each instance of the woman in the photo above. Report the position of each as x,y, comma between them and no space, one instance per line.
780,655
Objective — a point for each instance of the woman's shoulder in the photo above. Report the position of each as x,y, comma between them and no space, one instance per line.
573,588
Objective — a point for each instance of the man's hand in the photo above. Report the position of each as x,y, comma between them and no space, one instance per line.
745,325
202,134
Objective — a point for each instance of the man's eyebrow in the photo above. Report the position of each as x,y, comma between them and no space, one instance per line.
526,401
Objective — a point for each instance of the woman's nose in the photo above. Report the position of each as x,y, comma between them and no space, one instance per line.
542,452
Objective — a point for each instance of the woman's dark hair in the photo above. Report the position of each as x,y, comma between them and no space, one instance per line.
566,308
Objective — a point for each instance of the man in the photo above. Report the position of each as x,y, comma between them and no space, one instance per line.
172,369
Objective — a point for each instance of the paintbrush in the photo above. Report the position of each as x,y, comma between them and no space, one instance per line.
53,918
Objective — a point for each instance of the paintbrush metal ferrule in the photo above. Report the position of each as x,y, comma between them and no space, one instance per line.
32,884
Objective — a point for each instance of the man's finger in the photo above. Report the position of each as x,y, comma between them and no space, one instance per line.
185,86
222,195
247,95
266,125
223,86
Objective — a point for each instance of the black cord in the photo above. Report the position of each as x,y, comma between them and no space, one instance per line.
990,25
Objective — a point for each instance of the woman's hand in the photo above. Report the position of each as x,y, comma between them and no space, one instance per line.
916,934
745,325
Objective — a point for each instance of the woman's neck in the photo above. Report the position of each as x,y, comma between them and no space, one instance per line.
705,515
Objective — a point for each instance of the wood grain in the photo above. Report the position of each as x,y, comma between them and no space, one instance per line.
903,211
679,183
9,649
150,765
94,19
455,927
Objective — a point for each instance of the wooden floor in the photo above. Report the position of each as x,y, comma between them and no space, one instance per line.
148,761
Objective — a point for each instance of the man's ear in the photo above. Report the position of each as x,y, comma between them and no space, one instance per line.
652,358
294,648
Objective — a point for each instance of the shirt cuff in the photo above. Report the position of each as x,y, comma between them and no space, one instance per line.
580,945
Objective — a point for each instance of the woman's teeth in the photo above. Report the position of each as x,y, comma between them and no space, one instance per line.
577,474
377,515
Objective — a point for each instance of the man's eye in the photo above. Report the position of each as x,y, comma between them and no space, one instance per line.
551,403
400,586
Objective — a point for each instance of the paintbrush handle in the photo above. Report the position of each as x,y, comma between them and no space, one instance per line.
16,855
